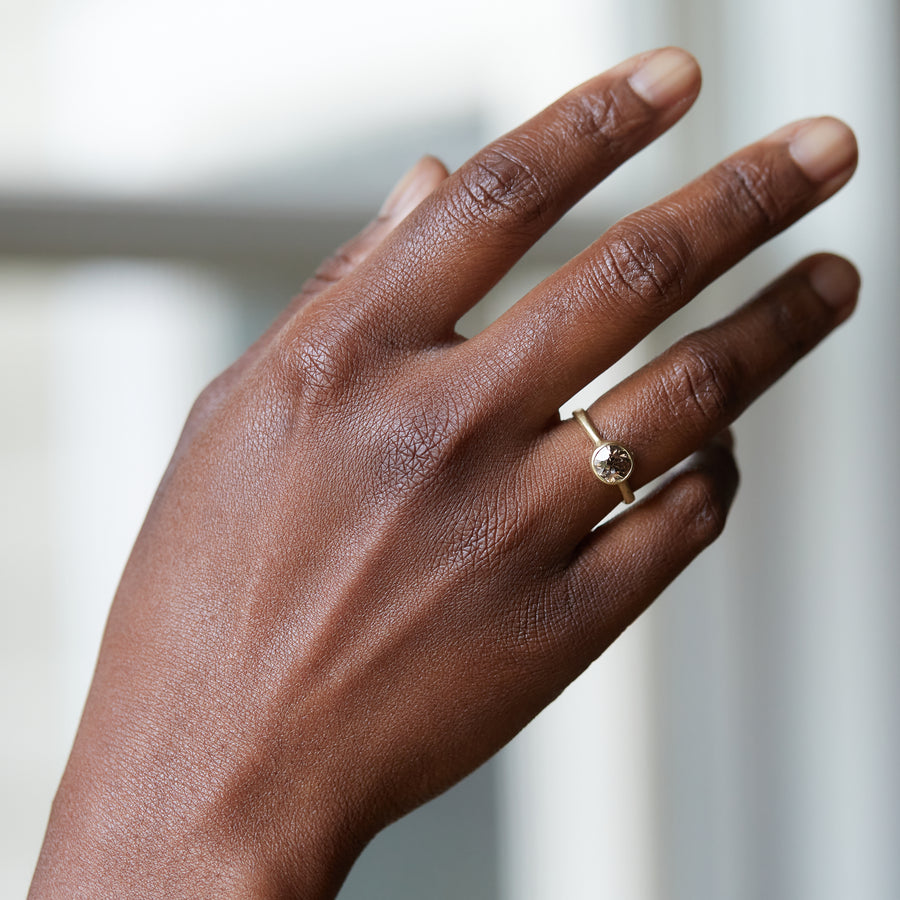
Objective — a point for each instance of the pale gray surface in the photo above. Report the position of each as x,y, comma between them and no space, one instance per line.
447,850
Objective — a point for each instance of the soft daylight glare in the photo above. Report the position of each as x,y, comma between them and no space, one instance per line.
172,93
164,96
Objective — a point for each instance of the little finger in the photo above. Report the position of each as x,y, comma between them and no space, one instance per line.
624,565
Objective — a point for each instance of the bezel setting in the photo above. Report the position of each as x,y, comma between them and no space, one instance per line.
611,463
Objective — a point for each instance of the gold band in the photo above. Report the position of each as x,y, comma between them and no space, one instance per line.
610,462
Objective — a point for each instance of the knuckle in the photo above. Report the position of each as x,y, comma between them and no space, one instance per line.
705,502
420,447
210,398
500,184
748,186
644,266
701,383
420,440
315,359
425,450
601,119
797,320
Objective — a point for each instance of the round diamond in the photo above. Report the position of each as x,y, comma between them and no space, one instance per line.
612,463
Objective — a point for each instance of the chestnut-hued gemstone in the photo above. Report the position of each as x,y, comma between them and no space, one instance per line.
611,463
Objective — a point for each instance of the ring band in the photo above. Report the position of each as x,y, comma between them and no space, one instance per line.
610,462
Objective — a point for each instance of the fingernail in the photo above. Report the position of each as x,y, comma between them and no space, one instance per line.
836,281
666,77
824,148
406,194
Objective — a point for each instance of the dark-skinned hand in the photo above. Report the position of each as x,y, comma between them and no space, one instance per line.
373,558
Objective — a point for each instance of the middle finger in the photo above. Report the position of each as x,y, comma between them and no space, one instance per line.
583,318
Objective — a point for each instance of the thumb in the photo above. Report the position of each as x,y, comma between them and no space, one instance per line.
406,195
412,189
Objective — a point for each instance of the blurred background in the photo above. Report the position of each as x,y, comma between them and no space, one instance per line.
169,175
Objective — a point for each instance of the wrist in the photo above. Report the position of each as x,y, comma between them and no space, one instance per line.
156,841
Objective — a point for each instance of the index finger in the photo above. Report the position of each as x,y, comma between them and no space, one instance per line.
461,241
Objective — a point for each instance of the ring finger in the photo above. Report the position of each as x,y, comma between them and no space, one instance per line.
675,404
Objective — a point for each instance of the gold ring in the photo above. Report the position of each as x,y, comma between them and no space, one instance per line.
610,462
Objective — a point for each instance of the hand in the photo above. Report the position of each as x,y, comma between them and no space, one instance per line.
371,560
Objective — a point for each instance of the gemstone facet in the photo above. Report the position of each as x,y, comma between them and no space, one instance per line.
611,463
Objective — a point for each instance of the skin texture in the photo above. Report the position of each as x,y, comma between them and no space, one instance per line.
373,559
